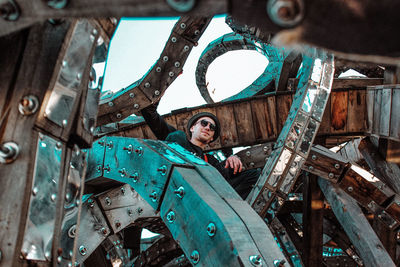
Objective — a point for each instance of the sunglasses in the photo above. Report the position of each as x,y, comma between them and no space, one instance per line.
204,123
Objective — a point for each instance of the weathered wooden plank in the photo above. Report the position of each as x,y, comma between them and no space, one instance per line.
135,132
386,171
356,226
147,133
259,118
244,122
182,120
350,83
228,135
387,237
339,103
313,213
356,111
270,109
283,103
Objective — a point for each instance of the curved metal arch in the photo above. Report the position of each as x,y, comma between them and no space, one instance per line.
232,42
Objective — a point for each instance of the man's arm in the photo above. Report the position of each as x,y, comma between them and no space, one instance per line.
157,124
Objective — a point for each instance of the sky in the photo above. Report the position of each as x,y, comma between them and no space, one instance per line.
138,43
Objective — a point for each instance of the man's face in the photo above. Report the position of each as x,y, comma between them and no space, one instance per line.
202,130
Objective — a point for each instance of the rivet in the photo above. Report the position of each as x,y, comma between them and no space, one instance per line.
163,170
173,39
170,216
82,250
64,63
104,231
110,104
35,190
186,48
153,196
68,197
108,201
78,76
177,64
265,149
136,106
180,192
313,157
165,58
350,189
64,123
251,164
119,115
157,93
147,85
183,25
158,69
196,32
53,197
59,259
171,74
255,260
94,32
195,256
331,175
310,168
134,177
248,153
337,166
131,95
123,190
211,229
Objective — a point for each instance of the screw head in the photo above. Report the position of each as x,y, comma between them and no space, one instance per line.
131,95
183,25
157,93
177,64
195,256
186,48
82,250
173,39
171,74
170,216
211,229
165,58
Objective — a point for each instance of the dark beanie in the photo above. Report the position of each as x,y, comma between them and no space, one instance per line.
204,114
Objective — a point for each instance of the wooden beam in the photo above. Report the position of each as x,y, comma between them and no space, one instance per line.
356,226
385,171
313,207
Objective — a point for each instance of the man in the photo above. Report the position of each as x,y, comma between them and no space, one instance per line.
203,129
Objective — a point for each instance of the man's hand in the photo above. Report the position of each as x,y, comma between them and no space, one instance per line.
234,163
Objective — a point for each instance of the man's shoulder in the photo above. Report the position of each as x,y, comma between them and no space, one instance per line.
176,136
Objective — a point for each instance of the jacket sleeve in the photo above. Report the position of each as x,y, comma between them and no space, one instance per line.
157,124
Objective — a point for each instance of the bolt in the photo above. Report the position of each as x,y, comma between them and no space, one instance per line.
350,189
108,201
255,260
162,170
134,177
279,263
331,175
195,256
131,95
9,11
82,250
129,149
153,196
337,166
157,93
314,157
8,152
28,105
170,216
177,64
211,229
165,58
180,192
